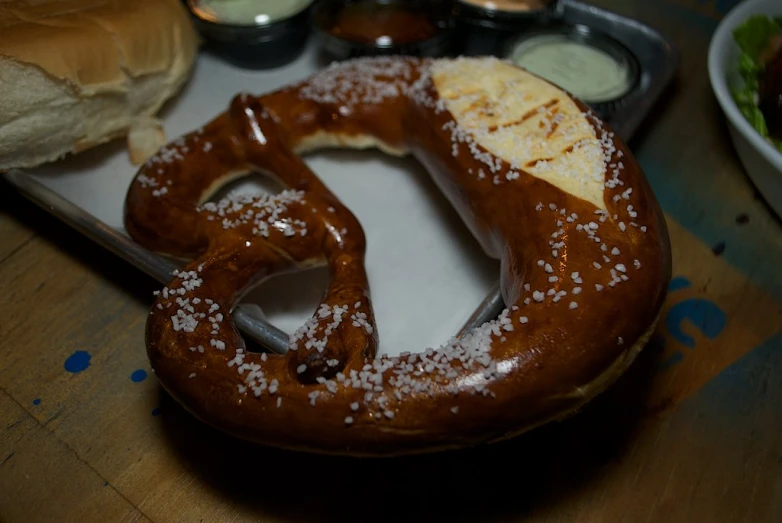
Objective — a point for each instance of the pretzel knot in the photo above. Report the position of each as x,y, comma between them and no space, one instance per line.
543,184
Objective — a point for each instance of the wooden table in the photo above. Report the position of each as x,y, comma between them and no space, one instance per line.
691,433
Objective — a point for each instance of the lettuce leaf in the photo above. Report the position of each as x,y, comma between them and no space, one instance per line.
753,35
752,38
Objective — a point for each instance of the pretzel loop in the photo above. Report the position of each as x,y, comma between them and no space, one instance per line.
540,181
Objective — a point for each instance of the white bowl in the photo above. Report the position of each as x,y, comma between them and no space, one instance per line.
761,160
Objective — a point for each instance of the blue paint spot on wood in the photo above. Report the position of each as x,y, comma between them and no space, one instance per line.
78,361
138,375
705,315
678,283
105,483
37,401
156,411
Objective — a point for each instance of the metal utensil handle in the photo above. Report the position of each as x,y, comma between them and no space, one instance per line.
260,331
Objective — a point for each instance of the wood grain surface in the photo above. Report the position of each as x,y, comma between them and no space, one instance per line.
690,434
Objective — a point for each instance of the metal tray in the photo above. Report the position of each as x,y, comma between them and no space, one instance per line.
658,61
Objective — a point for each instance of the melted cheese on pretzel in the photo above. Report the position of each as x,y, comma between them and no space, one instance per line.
529,123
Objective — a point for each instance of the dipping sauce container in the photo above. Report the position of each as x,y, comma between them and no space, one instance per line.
484,26
592,67
255,34
351,28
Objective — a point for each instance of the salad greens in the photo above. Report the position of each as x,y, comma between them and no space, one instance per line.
752,37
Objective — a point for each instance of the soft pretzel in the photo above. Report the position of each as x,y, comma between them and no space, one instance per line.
542,183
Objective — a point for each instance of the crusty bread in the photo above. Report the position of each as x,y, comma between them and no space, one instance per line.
78,73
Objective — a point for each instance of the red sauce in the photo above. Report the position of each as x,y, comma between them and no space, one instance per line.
368,22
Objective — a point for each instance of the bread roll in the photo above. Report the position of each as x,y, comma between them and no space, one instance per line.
78,73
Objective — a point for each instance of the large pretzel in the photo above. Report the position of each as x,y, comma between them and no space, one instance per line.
540,181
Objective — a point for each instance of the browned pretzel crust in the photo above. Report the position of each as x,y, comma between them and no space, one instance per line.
541,182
